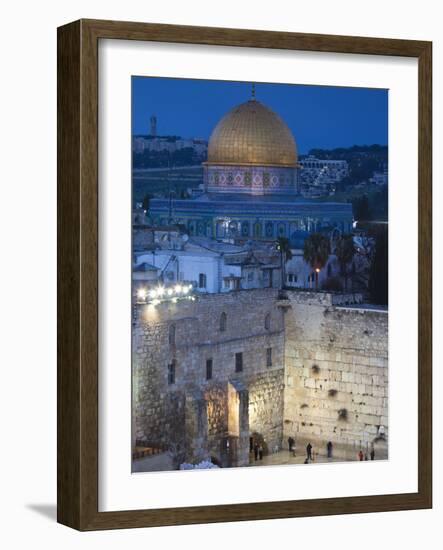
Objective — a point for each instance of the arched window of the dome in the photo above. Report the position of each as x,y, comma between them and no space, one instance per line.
257,229
245,229
191,227
248,179
266,179
269,229
281,229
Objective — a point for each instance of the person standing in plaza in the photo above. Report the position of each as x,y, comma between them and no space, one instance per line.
256,451
291,442
372,453
309,451
360,455
260,452
329,449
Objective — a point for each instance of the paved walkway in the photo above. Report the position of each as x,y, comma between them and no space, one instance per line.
156,463
348,454
284,457
163,462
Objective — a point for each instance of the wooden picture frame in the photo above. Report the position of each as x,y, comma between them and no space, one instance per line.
78,274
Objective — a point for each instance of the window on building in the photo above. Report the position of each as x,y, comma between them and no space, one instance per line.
171,373
172,335
239,362
269,357
208,369
202,280
268,321
223,321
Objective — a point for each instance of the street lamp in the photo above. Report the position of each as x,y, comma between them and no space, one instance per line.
317,271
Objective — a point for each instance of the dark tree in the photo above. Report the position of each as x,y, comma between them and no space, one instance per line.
146,202
361,208
378,275
316,253
284,248
344,250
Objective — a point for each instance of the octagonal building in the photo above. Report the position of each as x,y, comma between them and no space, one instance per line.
250,184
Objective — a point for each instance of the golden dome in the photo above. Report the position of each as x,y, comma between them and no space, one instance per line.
252,134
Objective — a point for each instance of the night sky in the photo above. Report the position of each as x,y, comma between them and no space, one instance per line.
319,116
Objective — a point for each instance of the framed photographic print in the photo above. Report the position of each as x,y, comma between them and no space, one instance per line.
244,280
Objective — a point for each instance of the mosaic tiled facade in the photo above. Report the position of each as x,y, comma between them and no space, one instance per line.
250,180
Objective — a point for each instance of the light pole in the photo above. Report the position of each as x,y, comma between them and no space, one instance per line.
317,271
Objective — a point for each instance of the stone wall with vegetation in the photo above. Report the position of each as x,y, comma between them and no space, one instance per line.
336,373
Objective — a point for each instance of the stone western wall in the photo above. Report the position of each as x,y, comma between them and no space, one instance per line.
336,373
328,377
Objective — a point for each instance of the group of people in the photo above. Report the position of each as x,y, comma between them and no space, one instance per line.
310,454
364,456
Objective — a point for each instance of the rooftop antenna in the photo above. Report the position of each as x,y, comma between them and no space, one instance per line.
253,91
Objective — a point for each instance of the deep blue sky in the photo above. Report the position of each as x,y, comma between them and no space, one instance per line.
319,116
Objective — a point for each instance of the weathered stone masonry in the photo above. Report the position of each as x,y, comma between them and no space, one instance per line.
231,405
327,380
336,371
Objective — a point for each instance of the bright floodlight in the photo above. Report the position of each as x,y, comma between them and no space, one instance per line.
141,294
185,289
170,292
153,293
178,289
161,290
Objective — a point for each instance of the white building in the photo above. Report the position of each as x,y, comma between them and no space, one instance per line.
379,178
319,177
299,274
211,266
